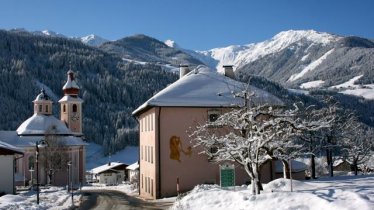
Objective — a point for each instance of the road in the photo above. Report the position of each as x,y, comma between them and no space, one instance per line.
114,200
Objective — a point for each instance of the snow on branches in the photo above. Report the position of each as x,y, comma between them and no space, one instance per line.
252,136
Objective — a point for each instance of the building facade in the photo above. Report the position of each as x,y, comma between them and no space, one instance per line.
169,163
8,155
60,141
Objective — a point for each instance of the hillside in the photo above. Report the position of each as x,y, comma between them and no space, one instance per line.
111,88
300,59
142,48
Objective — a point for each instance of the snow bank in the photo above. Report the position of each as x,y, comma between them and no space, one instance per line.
53,198
277,195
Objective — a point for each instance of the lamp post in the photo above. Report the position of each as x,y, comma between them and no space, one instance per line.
38,144
70,171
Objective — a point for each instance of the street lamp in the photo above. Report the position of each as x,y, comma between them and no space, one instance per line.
70,171
38,144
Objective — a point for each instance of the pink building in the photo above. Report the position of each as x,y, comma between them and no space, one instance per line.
168,162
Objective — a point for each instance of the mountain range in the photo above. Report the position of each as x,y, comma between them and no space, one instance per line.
118,76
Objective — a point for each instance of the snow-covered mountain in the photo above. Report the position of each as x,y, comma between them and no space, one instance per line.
93,40
144,49
299,59
49,33
239,55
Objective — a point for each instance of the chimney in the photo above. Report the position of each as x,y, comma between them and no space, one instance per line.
183,70
229,71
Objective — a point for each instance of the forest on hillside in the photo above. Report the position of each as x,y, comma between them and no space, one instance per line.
110,87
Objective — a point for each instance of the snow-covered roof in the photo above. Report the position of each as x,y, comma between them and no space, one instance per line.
12,138
296,166
133,166
71,98
42,96
70,83
203,87
40,124
105,167
4,145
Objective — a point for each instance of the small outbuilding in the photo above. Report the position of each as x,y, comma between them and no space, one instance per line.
133,172
8,156
112,173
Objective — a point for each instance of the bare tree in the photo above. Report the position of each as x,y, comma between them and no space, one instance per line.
356,144
251,136
55,156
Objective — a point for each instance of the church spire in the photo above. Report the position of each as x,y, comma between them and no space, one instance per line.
71,87
71,105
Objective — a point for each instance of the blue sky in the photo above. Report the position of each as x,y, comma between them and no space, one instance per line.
193,24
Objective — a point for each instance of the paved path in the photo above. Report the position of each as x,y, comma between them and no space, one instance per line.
108,200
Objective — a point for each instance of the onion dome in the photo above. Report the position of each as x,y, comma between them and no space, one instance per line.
42,96
71,87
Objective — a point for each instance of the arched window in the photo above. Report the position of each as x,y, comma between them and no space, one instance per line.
31,162
75,108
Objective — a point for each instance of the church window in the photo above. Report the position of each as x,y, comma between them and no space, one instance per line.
75,108
64,108
40,108
46,108
31,162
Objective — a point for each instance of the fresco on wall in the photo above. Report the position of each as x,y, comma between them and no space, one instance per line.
176,148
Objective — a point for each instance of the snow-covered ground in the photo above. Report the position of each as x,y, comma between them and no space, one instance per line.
312,84
53,198
340,193
349,88
95,157
125,188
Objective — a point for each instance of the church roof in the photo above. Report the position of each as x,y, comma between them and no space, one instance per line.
12,138
42,96
70,83
70,98
39,124
203,87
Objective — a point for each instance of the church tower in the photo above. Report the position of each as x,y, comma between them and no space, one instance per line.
42,104
71,105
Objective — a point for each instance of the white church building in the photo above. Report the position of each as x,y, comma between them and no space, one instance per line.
62,140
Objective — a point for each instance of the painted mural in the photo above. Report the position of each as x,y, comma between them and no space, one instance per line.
176,148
